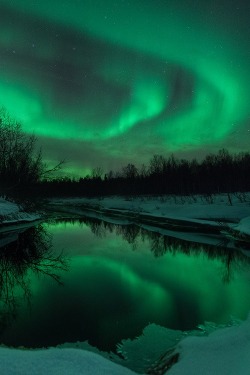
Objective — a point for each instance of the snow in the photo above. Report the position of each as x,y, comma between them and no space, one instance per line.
11,213
7,208
243,226
57,362
182,211
223,352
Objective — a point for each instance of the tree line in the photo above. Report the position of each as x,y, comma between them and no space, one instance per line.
221,172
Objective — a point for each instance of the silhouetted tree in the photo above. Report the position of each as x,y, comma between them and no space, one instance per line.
130,171
19,163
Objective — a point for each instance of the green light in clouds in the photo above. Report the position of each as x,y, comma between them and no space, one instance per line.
96,71
212,116
148,99
21,103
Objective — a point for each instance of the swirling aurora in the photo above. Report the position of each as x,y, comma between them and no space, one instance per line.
105,83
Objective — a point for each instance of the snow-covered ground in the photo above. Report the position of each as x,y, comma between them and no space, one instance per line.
223,352
11,213
186,208
169,211
243,226
57,362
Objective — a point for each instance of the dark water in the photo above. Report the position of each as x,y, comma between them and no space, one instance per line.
116,280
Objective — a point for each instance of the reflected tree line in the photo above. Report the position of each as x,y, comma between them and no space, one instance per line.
160,244
217,173
21,255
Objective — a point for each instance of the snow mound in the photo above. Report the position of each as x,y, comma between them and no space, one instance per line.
57,362
224,351
7,208
243,226
10,213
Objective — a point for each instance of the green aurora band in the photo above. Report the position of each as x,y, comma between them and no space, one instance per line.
118,79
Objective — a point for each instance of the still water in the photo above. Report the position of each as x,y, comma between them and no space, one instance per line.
68,281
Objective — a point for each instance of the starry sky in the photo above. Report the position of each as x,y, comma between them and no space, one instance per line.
104,83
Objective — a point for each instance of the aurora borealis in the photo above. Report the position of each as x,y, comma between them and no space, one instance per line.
105,83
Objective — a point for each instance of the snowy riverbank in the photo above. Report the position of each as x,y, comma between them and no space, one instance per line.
174,213
224,351
11,213
183,214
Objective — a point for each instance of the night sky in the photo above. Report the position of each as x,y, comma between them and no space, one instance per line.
111,82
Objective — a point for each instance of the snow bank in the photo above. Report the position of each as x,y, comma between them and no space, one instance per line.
197,209
11,213
243,226
223,352
176,208
57,362
7,208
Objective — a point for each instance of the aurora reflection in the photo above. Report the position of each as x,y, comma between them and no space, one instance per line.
113,290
